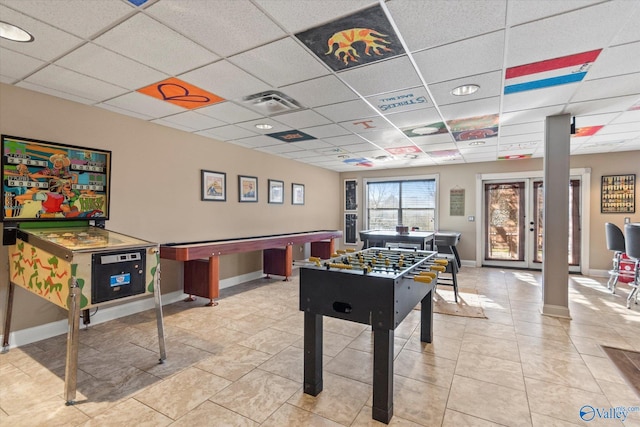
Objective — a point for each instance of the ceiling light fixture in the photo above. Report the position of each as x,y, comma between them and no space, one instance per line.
14,33
473,143
264,126
465,90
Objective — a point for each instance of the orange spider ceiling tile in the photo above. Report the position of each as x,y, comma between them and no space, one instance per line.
181,93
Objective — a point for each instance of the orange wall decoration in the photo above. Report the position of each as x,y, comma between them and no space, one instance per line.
181,93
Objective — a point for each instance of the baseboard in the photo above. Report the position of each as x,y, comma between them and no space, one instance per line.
555,311
598,273
105,314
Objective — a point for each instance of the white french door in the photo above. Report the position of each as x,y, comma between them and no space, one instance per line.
512,223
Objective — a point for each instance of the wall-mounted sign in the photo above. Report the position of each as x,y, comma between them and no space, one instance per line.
456,202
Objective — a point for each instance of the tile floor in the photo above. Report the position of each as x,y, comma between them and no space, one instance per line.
240,364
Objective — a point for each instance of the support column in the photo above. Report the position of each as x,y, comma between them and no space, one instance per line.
555,258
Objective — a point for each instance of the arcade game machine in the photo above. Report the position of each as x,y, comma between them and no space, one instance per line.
56,202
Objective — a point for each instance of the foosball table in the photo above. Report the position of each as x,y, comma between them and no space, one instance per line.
374,286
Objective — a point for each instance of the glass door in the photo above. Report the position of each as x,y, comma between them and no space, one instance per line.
504,223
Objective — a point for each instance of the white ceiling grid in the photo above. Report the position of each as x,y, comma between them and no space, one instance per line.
101,52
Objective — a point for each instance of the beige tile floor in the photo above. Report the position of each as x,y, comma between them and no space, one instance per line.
240,364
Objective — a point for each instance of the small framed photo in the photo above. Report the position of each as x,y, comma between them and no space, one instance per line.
297,194
247,188
276,191
214,186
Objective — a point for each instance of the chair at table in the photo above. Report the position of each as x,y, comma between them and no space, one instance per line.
615,243
445,246
632,241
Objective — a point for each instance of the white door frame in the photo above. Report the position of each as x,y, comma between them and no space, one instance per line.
585,203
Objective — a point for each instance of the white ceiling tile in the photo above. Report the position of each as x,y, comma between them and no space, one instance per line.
266,63
224,133
225,80
302,119
532,115
321,91
433,139
278,149
473,56
80,17
517,139
582,30
522,128
597,138
438,147
100,63
70,82
193,120
601,106
122,111
620,128
229,112
54,92
275,126
300,154
257,141
609,87
144,104
344,140
146,40
312,144
363,149
424,116
167,123
615,61
387,138
434,18
521,11
224,26
350,110
363,126
17,65
490,86
627,117
630,30
48,42
382,76
325,131
295,18
538,98
478,107
594,119
404,100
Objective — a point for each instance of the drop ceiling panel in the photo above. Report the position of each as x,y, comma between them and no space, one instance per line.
537,41
16,65
479,107
144,104
100,63
526,11
478,55
364,126
612,86
605,105
433,18
350,110
630,30
423,116
54,92
325,131
278,149
224,26
225,133
79,17
628,117
174,125
58,78
524,128
225,80
266,63
124,112
538,98
615,61
403,100
194,121
146,40
321,91
51,42
312,144
229,112
490,86
302,119
382,76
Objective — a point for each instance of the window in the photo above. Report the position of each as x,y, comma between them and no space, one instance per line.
410,202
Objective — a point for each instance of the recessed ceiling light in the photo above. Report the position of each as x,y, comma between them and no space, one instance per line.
465,90
264,126
16,34
477,143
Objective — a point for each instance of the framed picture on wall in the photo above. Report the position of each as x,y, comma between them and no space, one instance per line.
297,194
247,188
276,191
214,186
618,194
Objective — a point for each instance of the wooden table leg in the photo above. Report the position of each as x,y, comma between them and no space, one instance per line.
214,280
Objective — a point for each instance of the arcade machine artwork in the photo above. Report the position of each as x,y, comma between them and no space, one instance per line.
51,195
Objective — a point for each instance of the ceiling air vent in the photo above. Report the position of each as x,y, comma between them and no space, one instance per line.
271,102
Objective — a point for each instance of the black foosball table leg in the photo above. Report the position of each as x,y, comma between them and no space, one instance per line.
382,375
426,317
312,353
